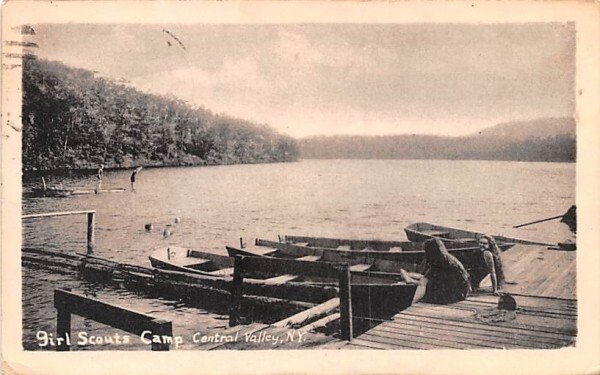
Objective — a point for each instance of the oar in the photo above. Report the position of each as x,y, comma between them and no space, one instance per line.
539,221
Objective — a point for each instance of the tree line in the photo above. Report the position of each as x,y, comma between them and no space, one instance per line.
553,148
73,119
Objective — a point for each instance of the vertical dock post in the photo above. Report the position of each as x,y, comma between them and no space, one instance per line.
162,328
345,302
91,223
63,326
236,290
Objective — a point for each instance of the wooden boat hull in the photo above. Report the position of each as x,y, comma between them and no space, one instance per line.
172,270
419,232
192,261
354,244
381,263
378,245
388,261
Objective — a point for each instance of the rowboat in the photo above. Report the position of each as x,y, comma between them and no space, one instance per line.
63,193
216,271
390,255
383,263
419,232
192,261
375,245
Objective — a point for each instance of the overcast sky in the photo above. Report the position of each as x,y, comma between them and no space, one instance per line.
308,79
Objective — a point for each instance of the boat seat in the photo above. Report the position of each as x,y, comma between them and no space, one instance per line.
309,258
465,239
280,279
202,265
395,249
222,272
190,262
436,233
360,267
261,250
344,247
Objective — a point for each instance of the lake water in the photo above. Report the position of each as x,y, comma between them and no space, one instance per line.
218,205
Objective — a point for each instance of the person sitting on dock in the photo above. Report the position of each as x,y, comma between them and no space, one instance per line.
444,279
493,263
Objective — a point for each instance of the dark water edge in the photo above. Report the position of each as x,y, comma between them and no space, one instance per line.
30,174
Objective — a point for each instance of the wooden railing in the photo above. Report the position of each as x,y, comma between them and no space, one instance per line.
276,266
67,303
91,223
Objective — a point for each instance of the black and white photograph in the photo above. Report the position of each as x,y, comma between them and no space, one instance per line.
273,184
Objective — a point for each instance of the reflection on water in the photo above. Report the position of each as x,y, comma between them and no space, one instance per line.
341,198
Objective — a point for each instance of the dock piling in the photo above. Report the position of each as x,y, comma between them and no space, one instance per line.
345,302
236,290
91,224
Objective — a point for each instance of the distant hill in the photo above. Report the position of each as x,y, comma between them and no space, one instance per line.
74,119
551,139
540,128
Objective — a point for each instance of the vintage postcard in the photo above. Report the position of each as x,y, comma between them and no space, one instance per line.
300,187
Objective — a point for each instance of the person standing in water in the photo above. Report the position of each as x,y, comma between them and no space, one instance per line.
99,175
133,176
444,279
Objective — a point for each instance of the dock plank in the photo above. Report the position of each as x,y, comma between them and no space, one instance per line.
502,337
522,320
546,315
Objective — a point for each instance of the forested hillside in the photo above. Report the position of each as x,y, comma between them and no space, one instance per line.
75,120
540,140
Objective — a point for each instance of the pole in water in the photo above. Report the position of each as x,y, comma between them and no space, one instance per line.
538,221
148,227
44,182
166,233
177,220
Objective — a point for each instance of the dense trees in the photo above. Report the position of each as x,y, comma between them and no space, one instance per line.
75,120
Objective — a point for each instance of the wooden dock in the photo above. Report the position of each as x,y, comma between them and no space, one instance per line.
545,292
546,316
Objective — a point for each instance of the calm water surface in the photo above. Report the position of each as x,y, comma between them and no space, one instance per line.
218,205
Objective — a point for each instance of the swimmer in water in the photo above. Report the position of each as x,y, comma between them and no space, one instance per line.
133,176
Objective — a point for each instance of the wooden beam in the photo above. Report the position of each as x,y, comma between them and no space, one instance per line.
236,290
292,266
320,323
307,315
52,214
91,223
63,325
131,321
345,302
